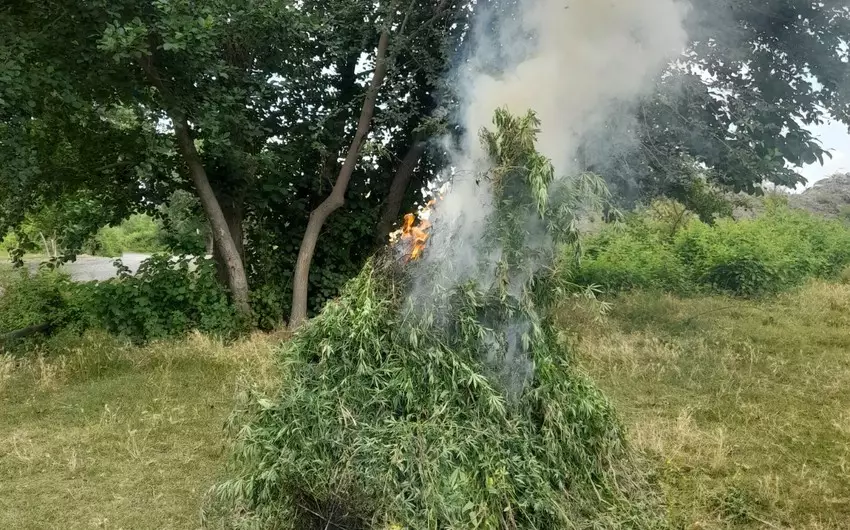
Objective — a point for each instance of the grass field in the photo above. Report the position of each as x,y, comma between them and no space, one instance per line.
110,436
742,407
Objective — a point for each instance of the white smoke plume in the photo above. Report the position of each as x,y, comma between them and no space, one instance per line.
582,65
589,59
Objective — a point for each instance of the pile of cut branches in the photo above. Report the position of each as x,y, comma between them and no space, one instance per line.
462,412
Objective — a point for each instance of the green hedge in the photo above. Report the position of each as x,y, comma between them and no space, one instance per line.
664,248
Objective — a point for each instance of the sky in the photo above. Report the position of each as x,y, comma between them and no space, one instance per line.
835,139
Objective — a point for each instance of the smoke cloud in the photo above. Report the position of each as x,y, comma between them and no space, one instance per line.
589,60
582,66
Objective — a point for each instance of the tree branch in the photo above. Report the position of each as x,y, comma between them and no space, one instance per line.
336,199
438,14
406,17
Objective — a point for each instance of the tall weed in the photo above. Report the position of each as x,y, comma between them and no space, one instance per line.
388,419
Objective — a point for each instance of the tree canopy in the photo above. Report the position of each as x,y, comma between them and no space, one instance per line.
740,103
253,107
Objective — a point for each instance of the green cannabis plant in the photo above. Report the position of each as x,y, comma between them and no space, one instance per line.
462,411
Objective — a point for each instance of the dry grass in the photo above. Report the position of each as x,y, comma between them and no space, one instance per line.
106,435
743,405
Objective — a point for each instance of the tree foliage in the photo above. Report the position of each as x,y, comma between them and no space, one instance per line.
185,230
271,89
140,233
756,75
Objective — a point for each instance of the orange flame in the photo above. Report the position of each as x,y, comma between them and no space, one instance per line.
413,237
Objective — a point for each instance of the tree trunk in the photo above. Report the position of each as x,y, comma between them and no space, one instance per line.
234,216
209,243
237,281
223,240
44,243
398,188
301,276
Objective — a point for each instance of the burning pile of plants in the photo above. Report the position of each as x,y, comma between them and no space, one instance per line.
458,408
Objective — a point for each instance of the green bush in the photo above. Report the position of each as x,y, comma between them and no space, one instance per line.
139,233
32,299
47,299
268,304
166,297
9,242
778,250
743,277
625,260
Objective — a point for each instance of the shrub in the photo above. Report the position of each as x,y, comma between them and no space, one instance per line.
778,250
638,254
139,233
625,260
268,304
9,242
166,297
32,299
743,276
47,299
